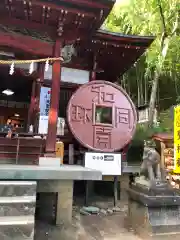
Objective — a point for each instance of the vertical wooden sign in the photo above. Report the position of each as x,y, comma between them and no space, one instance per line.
177,139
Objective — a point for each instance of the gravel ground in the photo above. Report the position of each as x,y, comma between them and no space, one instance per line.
86,228
92,227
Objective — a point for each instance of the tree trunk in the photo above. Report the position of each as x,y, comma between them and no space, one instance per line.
152,102
145,91
138,87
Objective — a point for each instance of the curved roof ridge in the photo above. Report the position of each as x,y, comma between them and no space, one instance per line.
125,35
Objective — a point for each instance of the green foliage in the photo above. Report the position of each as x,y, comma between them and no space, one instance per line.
166,120
143,134
142,17
136,147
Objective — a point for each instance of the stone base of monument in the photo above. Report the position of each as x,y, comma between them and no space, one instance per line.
161,194
154,213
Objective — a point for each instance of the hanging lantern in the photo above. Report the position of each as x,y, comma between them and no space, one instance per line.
31,68
11,71
47,65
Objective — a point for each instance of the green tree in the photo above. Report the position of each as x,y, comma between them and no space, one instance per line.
160,18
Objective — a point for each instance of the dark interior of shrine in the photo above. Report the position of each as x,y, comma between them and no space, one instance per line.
14,106
20,84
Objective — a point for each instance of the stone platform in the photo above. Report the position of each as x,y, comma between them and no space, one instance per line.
154,222
57,180
155,196
154,213
63,172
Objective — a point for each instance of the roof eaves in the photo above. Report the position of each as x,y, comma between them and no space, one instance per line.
105,32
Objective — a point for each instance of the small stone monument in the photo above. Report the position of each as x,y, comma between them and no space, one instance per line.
154,206
60,126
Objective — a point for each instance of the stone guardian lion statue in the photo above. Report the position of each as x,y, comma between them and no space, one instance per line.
151,163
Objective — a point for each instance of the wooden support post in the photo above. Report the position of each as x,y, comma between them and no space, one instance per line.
54,104
93,73
71,154
40,80
89,192
32,105
33,113
116,190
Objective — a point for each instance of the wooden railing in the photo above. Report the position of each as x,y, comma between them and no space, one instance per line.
21,150
26,150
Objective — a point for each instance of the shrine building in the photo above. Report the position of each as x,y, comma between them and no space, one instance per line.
38,97
59,100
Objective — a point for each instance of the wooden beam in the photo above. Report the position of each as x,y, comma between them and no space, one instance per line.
60,8
136,39
44,28
26,44
92,4
109,46
11,21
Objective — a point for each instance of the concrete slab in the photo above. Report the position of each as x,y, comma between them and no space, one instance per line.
64,190
130,168
63,172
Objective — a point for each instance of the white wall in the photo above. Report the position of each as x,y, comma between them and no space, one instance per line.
70,75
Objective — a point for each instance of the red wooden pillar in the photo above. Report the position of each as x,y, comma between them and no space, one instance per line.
54,104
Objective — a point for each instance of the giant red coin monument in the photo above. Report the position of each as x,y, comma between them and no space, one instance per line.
101,116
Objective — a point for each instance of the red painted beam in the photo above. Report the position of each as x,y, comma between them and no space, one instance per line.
59,8
11,21
93,4
51,31
26,44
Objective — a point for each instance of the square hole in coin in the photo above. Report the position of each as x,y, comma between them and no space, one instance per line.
103,115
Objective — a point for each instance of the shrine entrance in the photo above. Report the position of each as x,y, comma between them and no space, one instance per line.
15,98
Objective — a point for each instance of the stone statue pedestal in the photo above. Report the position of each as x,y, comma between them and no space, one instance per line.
154,211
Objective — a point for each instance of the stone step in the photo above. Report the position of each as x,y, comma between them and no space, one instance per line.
17,210
17,228
14,220
17,188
